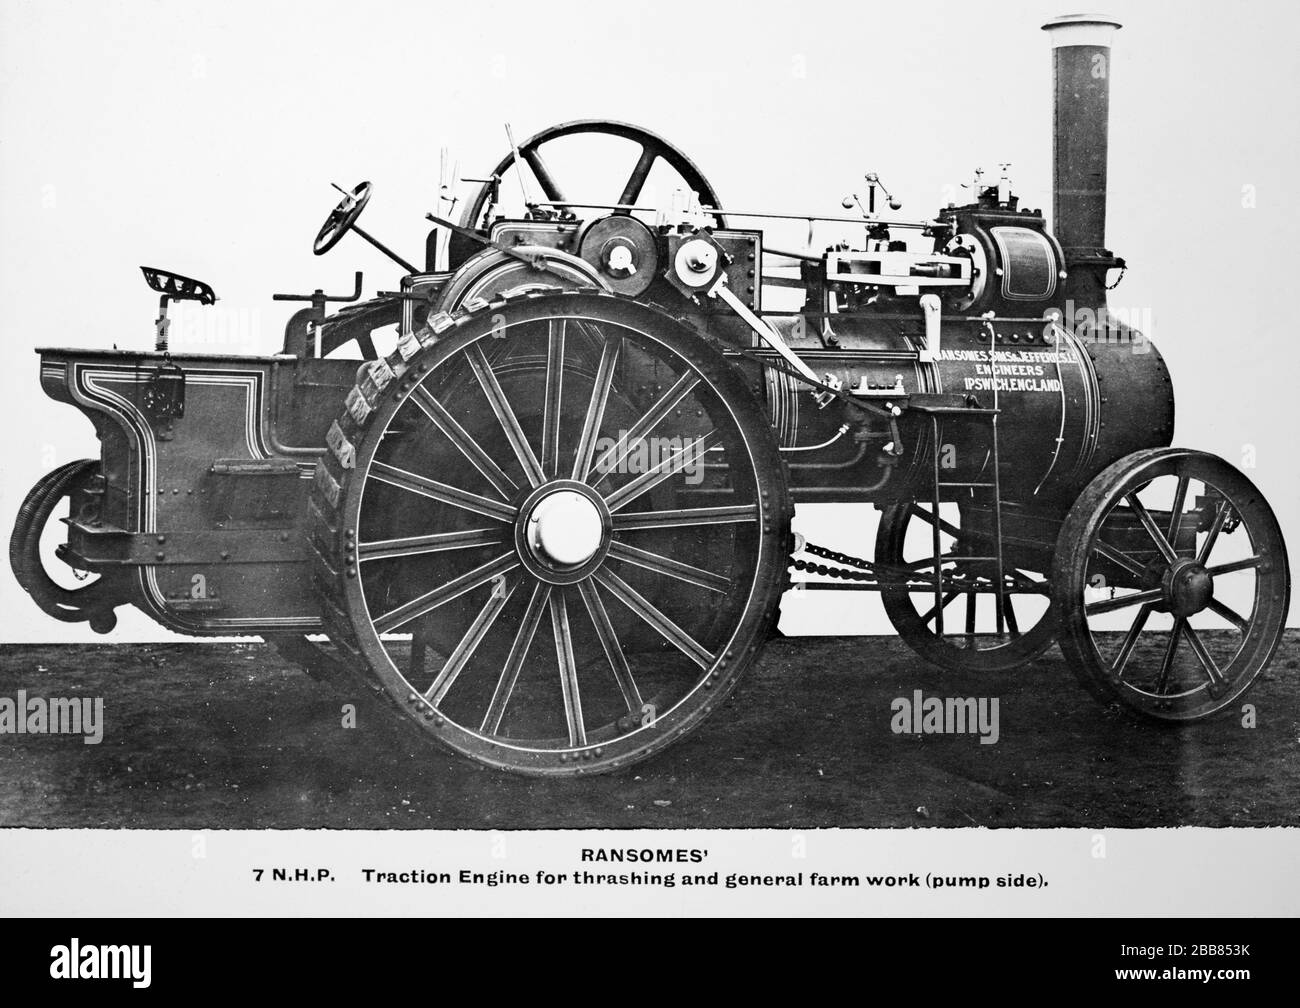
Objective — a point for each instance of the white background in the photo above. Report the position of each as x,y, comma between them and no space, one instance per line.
202,138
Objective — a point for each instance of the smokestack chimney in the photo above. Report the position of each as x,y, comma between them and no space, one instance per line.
1081,75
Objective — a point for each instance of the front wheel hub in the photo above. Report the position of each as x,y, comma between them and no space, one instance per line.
1188,588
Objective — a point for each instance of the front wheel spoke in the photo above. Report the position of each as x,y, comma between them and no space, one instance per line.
464,651
505,686
442,492
1171,649
1202,655
600,386
934,610
568,670
1122,601
930,518
1231,615
669,567
496,398
1009,612
1116,557
444,593
626,521
1220,516
1130,640
1176,510
613,456
665,627
1149,523
610,643
405,546
1248,563
552,397
459,437
668,467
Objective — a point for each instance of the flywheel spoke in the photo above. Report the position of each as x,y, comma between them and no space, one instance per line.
552,401
504,414
444,593
404,546
636,181
675,569
505,686
544,178
610,643
568,670
473,637
609,354
666,628
458,436
393,476
665,469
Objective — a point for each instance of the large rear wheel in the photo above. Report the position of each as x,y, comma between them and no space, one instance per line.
557,535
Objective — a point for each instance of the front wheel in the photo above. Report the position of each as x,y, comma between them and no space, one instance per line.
557,535
1171,584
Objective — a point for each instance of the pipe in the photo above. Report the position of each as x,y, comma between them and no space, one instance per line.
1081,68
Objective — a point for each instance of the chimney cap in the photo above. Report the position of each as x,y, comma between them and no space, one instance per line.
1081,30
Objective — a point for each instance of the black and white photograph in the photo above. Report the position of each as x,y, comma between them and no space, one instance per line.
759,459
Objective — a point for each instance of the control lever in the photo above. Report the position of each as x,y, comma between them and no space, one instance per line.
319,299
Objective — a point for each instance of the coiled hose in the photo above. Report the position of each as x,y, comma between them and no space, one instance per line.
91,603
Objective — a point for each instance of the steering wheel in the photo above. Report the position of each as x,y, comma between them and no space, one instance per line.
341,218
653,148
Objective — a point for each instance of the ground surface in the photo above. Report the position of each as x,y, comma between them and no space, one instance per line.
220,735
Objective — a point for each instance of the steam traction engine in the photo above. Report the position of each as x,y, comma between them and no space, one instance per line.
549,515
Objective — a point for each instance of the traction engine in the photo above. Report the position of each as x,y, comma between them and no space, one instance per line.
547,513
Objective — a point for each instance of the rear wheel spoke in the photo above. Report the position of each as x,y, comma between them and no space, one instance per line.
568,670
496,398
1248,563
464,651
1116,557
505,686
666,468
627,521
610,643
932,519
444,593
664,626
442,492
459,437
591,424
405,546
553,398
675,569
1176,510
613,457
